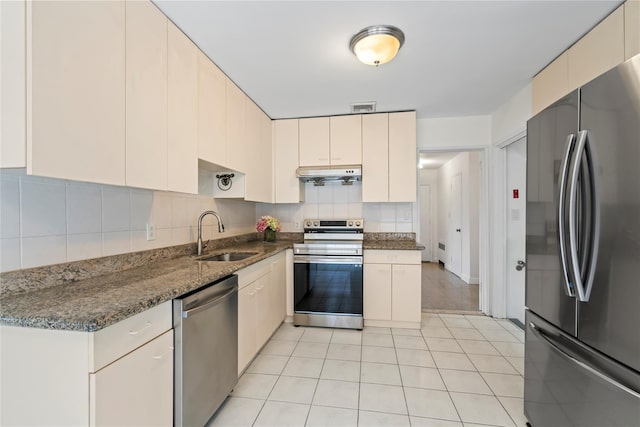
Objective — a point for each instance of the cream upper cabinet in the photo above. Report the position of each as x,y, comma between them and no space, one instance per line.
598,51
375,157
235,127
182,128
402,157
146,95
550,84
314,141
211,111
346,140
631,28
259,167
75,90
288,188
13,140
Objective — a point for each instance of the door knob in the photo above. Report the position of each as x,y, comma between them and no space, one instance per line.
521,265
457,230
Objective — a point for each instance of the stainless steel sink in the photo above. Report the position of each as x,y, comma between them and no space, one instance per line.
229,256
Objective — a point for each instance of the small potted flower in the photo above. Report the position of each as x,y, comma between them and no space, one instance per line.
269,226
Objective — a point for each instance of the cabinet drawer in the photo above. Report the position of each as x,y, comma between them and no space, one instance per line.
391,257
117,340
255,271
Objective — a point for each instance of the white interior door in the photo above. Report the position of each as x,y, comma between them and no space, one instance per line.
516,227
425,222
454,249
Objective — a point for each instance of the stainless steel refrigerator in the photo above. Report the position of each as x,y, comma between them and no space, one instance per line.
582,348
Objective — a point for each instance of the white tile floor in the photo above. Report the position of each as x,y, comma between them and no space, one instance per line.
458,370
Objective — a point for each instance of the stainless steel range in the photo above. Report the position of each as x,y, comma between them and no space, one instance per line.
328,274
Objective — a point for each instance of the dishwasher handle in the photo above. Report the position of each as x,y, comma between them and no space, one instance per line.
215,299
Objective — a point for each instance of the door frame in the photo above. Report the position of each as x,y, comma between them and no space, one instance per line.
485,299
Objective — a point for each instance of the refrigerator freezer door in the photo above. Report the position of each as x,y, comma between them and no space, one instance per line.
610,112
567,384
547,143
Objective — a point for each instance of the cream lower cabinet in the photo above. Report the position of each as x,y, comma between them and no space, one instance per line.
121,375
392,288
137,389
261,305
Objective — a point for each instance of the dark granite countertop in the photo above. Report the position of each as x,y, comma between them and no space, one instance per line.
90,295
92,304
408,245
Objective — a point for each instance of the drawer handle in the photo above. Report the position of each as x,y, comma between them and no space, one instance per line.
161,356
146,326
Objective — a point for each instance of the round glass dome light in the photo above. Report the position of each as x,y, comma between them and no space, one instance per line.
377,44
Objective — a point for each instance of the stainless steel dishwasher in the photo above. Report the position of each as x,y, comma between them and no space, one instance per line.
206,350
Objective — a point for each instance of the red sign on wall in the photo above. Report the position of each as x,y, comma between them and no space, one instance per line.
516,193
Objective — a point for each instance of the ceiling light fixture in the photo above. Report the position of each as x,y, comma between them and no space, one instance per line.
377,44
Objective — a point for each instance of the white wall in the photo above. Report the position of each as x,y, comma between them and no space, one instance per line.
453,132
468,165
47,221
511,118
430,177
335,200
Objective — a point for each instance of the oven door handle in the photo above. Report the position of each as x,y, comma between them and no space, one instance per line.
323,259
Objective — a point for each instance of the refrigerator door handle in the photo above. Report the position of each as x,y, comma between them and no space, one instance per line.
541,334
573,214
562,197
595,215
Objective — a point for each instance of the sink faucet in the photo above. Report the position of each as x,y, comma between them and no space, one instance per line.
220,227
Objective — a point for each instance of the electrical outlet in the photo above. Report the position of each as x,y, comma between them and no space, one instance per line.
297,225
151,232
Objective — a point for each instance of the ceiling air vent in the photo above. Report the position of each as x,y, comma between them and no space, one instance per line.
363,107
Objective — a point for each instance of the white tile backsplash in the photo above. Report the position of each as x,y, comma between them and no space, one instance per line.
43,250
115,209
42,207
9,207
84,246
335,200
47,221
84,208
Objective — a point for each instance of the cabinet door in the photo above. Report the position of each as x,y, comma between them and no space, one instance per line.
550,84
402,157
263,301
375,157
406,293
183,112
631,28
314,141
236,127
346,140
258,179
13,148
211,111
136,389
288,188
377,291
246,326
598,51
146,92
277,292
76,120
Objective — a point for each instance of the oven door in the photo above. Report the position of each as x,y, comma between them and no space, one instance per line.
327,286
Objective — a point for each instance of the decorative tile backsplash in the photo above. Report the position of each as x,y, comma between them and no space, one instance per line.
335,200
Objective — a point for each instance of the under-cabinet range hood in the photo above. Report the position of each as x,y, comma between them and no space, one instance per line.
318,175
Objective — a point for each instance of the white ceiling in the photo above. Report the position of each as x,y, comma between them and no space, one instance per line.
460,57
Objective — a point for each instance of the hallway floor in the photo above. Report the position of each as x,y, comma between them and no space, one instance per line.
458,370
443,290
